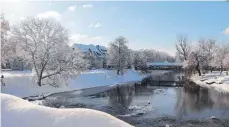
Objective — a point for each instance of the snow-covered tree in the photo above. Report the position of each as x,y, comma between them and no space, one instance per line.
118,54
207,48
220,56
11,51
130,58
183,48
154,55
198,57
46,43
91,60
16,56
226,62
5,47
192,64
139,59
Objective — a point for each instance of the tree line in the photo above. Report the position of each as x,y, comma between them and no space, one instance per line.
123,57
205,55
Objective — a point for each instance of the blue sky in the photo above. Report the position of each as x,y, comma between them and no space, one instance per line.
148,25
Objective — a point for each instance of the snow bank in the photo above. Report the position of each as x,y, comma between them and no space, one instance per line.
103,78
20,83
213,80
18,73
24,85
20,113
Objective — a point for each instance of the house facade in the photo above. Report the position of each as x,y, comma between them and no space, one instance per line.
96,54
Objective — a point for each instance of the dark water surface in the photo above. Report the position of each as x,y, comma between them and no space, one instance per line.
153,106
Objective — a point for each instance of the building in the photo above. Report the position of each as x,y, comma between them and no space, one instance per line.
96,54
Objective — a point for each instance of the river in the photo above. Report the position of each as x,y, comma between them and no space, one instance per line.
152,105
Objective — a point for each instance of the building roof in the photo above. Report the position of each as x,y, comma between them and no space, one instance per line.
97,50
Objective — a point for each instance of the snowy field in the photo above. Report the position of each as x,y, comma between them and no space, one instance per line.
213,80
17,112
22,83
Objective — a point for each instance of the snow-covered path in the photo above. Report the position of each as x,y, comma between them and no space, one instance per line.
213,80
22,84
17,112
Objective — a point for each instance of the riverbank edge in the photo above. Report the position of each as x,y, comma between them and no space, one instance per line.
197,79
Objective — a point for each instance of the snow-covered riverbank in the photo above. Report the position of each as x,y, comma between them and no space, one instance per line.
17,112
22,83
213,80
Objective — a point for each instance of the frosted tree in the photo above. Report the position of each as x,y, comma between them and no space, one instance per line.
139,59
182,47
220,56
11,51
198,58
46,43
153,55
5,47
118,54
193,63
207,48
16,56
91,60
130,58
226,63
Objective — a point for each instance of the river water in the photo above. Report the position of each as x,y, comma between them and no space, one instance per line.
152,105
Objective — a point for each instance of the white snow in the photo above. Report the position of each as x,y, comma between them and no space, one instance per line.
17,112
22,84
213,80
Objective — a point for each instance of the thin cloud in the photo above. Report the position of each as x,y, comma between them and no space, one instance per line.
95,25
72,8
50,14
87,6
226,31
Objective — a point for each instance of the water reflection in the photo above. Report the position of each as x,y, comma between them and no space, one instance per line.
121,97
203,99
180,102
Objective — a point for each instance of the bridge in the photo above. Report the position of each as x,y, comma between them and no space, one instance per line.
164,65
164,78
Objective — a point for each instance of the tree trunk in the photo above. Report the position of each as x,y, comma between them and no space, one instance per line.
221,70
39,82
198,69
199,72
118,71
